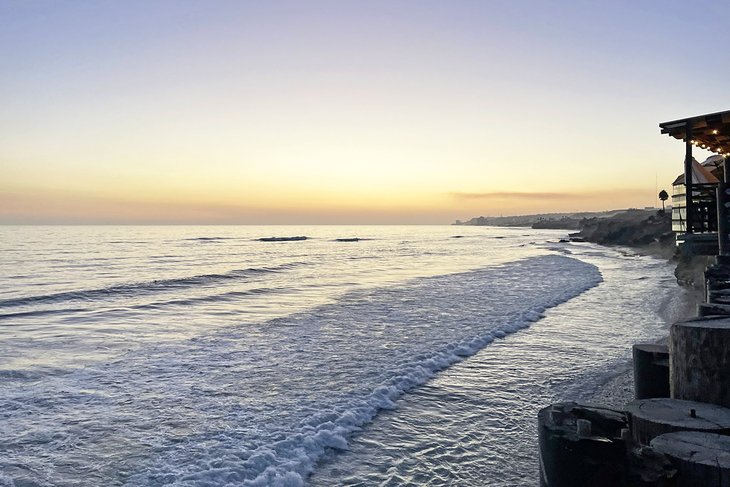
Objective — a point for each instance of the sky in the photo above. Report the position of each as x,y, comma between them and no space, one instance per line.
346,112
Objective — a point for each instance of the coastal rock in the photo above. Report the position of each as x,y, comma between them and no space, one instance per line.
633,228
690,271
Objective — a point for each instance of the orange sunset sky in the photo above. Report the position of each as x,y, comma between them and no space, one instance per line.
346,112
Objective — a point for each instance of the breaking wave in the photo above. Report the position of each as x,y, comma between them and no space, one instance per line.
435,338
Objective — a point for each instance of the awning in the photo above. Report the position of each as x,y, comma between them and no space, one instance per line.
711,132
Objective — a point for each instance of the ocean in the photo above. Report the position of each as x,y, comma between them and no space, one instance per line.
203,356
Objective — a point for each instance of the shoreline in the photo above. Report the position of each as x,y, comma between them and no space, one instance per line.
680,368
617,389
649,237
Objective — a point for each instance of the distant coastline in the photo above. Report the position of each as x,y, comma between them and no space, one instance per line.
648,231
559,221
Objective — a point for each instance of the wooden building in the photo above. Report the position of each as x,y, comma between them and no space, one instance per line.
700,221
705,178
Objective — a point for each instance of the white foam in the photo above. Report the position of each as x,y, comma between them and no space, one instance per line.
261,405
6,481
303,449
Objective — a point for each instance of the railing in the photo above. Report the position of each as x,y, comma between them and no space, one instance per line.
704,209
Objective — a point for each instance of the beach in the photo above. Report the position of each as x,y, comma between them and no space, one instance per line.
414,355
647,233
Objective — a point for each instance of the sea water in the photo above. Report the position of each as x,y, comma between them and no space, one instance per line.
201,355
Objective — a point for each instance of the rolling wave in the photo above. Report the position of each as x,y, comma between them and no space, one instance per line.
43,312
229,296
133,289
209,239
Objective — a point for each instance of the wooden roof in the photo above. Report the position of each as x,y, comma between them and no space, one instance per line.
711,132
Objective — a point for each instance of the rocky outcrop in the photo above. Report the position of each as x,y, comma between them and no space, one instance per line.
690,271
649,232
645,229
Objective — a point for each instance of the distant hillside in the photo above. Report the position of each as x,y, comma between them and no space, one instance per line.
567,221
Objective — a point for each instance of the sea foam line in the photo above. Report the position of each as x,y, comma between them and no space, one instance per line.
288,462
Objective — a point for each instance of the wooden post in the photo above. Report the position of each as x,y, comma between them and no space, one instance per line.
688,206
699,360
650,418
581,445
702,459
723,212
722,240
651,370
717,282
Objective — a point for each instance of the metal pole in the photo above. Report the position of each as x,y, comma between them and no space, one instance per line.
688,207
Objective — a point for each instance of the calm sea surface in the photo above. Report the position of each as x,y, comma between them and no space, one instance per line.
202,356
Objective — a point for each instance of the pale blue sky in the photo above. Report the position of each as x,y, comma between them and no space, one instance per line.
340,111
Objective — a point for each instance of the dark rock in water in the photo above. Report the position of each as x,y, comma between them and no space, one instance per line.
352,239
282,239
457,236
563,240
576,239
